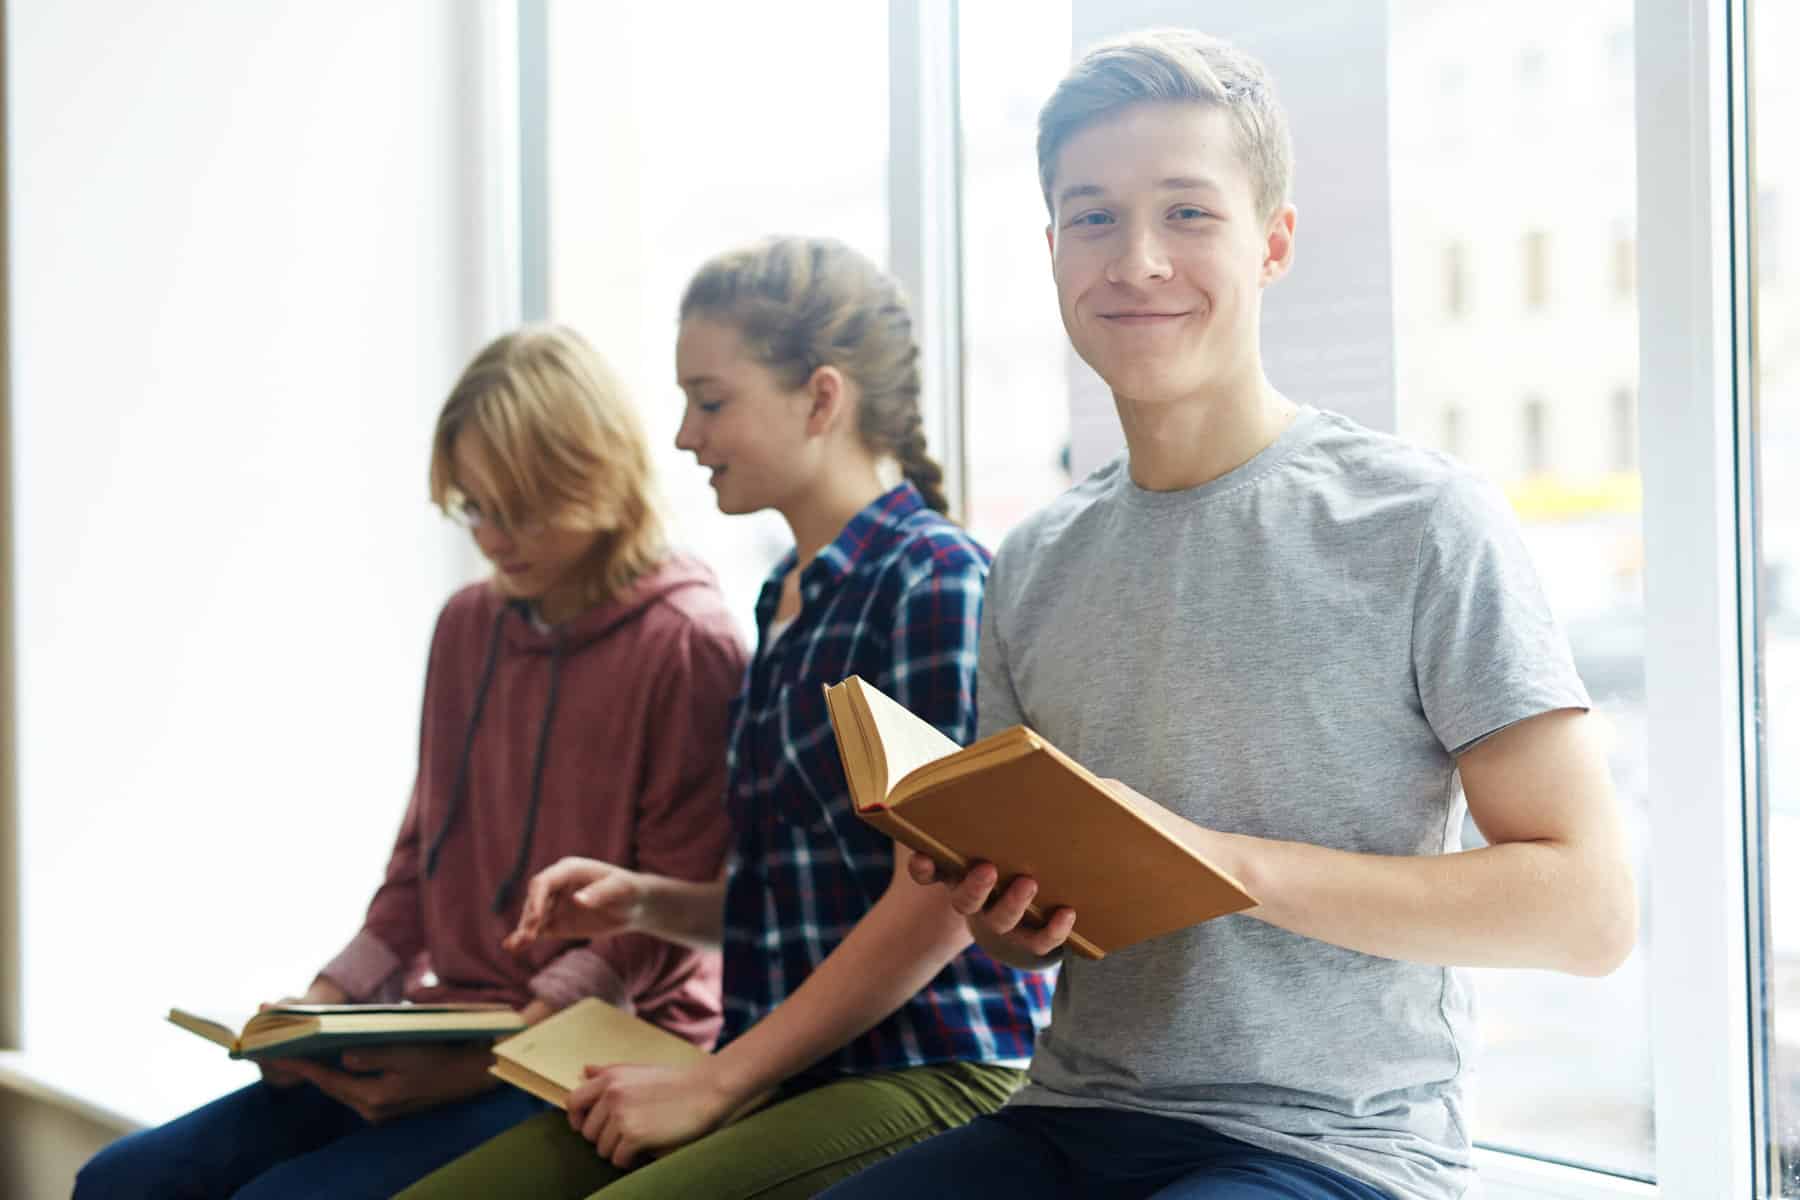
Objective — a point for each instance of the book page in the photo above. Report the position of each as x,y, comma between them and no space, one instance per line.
907,741
212,1028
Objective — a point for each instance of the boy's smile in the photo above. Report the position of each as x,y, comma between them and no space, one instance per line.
1160,254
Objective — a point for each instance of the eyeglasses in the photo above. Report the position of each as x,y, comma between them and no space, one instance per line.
470,516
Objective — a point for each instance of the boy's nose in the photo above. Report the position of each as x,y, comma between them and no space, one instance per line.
1141,257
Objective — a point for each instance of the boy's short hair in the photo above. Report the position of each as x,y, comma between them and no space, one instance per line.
1173,66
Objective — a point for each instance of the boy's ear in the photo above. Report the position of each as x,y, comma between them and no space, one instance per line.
830,401
1050,239
1279,255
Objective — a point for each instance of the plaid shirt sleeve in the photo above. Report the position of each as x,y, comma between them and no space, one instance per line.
937,634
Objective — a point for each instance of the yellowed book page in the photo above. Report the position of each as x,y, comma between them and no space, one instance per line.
212,1028
592,1031
907,741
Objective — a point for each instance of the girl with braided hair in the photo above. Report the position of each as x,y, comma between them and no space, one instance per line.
850,994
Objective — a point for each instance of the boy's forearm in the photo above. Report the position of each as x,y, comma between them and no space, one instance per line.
1542,904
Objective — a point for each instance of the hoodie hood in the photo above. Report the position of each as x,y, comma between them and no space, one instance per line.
675,574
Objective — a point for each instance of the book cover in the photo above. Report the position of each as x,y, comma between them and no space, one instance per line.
546,1059
1131,869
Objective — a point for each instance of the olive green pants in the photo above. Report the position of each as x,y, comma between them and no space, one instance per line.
792,1149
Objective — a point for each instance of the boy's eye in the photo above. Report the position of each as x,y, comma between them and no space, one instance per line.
1187,212
1092,218
709,406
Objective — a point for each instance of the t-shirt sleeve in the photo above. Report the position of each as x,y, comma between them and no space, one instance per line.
1487,650
995,694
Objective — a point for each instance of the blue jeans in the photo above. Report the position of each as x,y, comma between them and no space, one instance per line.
265,1143
1035,1151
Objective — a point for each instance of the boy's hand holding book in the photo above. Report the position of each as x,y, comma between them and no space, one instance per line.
1000,918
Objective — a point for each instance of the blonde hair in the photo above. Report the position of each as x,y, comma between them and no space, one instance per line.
561,442
1173,66
804,303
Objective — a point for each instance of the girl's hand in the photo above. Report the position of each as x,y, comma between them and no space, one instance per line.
579,898
627,1111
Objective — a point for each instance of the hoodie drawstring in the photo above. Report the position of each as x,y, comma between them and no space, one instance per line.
462,770
505,890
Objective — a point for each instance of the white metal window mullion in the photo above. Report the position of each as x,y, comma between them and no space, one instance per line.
1693,664
925,216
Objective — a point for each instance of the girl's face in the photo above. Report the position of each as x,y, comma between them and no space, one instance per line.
534,559
740,424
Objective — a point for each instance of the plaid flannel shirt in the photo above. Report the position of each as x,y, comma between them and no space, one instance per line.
896,599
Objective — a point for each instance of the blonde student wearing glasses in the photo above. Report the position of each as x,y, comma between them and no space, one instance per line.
576,702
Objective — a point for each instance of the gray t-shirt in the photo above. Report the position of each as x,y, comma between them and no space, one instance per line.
1294,650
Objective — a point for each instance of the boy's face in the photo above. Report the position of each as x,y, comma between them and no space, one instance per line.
1159,253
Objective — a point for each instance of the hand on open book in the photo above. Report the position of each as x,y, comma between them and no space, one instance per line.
999,916
384,1082
578,898
629,1111
278,1072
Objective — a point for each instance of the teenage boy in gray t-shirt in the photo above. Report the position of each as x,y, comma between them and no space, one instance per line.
1295,633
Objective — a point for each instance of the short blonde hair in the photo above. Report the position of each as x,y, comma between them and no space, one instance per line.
561,442
1180,66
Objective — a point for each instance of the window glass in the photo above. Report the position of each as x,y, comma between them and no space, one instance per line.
1015,354
1538,392
1775,107
677,132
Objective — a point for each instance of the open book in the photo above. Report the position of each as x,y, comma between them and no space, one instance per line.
546,1059
1130,869
305,1030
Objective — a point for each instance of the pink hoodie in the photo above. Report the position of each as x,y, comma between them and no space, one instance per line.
603,737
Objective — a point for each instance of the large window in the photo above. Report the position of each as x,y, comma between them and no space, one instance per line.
1015,354
1775,100
677,131
1529,394
237,489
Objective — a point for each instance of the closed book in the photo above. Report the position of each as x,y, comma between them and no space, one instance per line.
546,1059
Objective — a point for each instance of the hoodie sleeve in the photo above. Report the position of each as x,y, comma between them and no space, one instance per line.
393,932
682,827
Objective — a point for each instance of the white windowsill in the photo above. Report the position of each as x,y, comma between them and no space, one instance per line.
22,1074
1514,1177
1504,1176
